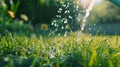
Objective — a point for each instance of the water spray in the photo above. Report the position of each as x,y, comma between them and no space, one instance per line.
87,13
84,21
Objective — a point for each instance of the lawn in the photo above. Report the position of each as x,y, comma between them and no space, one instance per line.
59,51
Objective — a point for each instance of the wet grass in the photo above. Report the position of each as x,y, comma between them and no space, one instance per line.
59,51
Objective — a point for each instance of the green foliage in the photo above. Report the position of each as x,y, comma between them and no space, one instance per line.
3,10
46,13
43,11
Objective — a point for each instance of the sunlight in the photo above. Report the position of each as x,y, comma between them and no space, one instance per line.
85,3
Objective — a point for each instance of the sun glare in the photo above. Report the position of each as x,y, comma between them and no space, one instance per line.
85,3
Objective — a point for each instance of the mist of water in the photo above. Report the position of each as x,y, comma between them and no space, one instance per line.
87,13
84,20
87,5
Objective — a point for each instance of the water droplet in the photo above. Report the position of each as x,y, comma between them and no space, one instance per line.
70,17
65,21
89,28
60,9
65,35
62,27
59,34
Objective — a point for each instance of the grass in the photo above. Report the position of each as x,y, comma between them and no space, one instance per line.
59,51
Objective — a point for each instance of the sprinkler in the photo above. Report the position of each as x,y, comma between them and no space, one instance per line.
117,2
